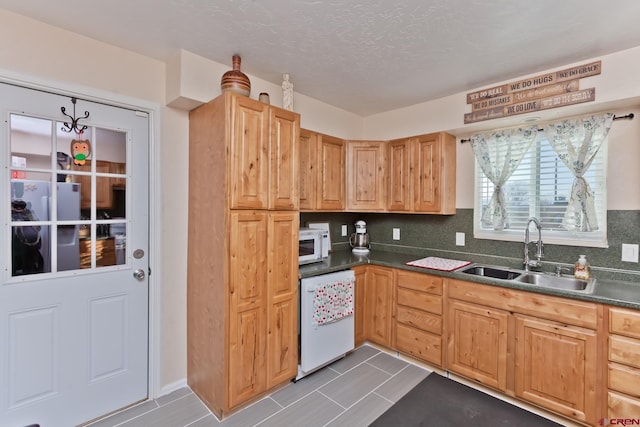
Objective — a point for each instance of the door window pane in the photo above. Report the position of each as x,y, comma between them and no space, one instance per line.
73,186
29,250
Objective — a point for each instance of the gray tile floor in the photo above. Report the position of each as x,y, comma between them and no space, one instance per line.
351,392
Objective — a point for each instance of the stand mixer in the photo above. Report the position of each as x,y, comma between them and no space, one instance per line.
359,240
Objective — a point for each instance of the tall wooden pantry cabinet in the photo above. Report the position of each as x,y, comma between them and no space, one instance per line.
242,292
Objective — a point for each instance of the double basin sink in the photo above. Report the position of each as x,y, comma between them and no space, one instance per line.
545,280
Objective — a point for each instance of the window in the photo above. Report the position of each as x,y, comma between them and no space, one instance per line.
541,187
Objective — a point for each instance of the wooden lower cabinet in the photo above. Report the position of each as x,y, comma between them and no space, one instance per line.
418,325
282,297
477,346
380,283
539,348
236,357
247,305
556,367
622,406
623,373
360,305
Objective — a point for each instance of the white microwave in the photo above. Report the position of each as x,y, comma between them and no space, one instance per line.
313,245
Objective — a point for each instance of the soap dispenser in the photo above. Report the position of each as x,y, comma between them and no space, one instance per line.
582,269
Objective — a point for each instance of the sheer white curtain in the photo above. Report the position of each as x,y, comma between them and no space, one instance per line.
499,154
576,142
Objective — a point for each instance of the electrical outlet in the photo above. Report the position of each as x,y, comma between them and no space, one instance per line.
396,234
344,229
629,253
459,239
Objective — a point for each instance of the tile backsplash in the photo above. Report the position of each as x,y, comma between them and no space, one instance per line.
437,233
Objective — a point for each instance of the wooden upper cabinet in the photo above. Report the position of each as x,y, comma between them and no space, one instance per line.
283,178
434,173
399,194
330,184
104,190
366,187
416,174
264,156
308,149
249,149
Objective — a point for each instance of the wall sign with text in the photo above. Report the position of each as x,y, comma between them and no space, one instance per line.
550,90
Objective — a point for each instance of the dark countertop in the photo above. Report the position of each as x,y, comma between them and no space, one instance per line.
607,291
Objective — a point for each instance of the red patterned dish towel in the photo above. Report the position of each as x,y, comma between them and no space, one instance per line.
333,301
436,263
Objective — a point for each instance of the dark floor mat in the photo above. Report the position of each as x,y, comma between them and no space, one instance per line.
438,401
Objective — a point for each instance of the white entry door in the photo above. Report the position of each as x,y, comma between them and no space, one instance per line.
73,258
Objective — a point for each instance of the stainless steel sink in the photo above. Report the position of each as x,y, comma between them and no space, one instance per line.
566,283
557,282
491,271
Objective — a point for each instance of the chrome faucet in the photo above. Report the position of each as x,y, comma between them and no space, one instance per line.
540,247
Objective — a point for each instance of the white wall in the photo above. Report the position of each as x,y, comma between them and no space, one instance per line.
617,90
39,53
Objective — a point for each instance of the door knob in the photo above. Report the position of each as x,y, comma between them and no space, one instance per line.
139,275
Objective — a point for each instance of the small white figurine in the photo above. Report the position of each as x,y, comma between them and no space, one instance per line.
287,93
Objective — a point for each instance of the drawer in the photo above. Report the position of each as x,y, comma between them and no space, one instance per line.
624,322
419,300
624,379
419,282
419,344
621,406
419,319
564,310
624,350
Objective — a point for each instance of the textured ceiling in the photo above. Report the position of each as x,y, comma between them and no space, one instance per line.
365,56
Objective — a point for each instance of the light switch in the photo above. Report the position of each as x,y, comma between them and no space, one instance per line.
344,229
396,234
459,239
629,253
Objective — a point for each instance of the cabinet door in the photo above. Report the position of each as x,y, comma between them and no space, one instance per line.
427,183
104,192
477,346
360,305
247,293
434,174
379,310
556,367
399,194
366,175
120,169
249,149
331,177
282,307
283,178
308,168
